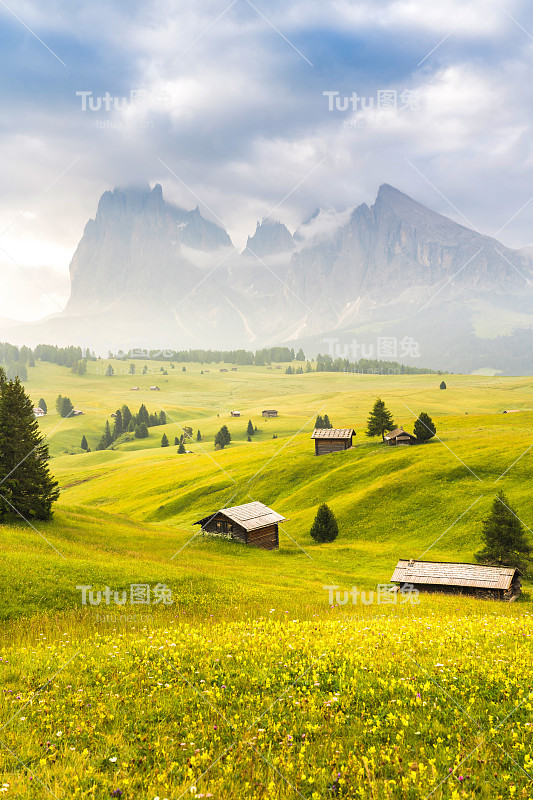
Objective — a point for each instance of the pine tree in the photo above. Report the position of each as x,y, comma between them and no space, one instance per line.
300,355
198,436
141,431
143,415
176,440
504,538
327,423
27,487
319,423
82,367
324,527
58,403
181,448
424,429
250,428
308,367
66,407
107,437
220,441
118,428
42,404
84,444
126,417
380,420
164,440
443,385
162,418
226,434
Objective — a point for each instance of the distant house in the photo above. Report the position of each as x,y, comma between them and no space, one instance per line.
234,369
114,415
134,389
501,583
155,389
223,370
512,411
269,412
235,413
77,412
331,440
253,524
399,436
38,412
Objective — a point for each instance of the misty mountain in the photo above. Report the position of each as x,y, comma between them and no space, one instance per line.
149,273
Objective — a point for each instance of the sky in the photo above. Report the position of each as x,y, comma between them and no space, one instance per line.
254,108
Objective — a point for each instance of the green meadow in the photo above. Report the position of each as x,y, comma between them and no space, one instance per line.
143,684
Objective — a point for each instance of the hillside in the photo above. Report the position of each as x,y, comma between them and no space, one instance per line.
128,511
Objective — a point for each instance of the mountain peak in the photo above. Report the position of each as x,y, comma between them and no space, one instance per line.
270,237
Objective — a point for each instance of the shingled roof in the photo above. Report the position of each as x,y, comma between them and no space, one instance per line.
333,433
249,516
442,573
398,432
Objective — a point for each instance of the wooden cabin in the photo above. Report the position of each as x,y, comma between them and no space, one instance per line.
253,524
155,389
269,412
235,413
331,440
38,412
399,436
499,583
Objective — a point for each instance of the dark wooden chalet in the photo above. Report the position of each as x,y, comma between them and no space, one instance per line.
253,523
399,436
331,440
269,412
500,583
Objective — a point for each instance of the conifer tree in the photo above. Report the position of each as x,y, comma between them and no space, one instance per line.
84,444
58,403
504,538
66,407
250,428
319,423
164,440
181,448
141,431
327,423
380,420
27,487
443,385
176,440
324,527
424,428
42,404
118,428
126,417
198,436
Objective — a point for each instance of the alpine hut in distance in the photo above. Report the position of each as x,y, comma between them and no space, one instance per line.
500,583
253,523
331,440
399,436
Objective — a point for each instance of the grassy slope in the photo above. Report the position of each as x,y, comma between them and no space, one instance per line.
125,514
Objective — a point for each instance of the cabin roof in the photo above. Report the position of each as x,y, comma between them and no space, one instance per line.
333,433
249,516
398,432
453,574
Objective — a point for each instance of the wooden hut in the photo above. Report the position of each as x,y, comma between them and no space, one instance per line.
501,583
269,412
331,440
235,413
253,523
399,436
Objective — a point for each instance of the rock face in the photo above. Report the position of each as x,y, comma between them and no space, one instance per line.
151,273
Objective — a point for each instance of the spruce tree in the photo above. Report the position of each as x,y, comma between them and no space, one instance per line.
141,431
143,415
108,438
250,428
225,434
84,444
505,542
443,385
58,403
164,440
176,440
118,428
66,407
319,423
324,527
424,429
220,441
198,436
42,404
181,448
327,423
380,420
26,485
300,355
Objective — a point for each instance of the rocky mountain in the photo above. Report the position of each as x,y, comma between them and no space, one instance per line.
149,273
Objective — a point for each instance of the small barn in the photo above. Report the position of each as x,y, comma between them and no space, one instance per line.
38,412
134,389
269,412
252,523
500,583
154,389
331,440
235,413
399,436
223,370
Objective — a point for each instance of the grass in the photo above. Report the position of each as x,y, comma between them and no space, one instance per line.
380,701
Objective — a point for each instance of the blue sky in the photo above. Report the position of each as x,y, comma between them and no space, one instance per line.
232,100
